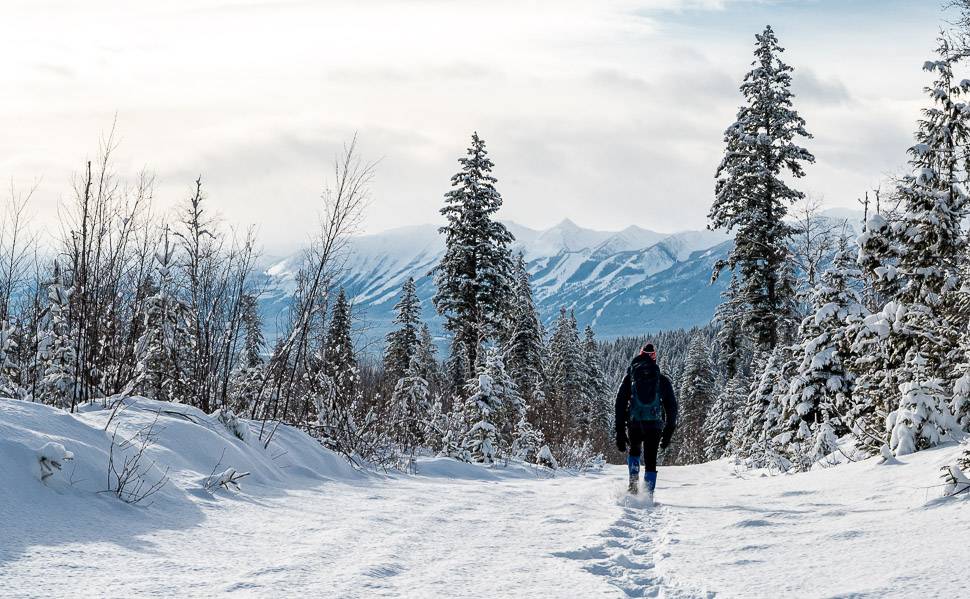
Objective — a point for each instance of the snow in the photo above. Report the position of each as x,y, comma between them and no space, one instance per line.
304,523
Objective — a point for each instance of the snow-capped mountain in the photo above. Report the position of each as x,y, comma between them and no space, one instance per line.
629,282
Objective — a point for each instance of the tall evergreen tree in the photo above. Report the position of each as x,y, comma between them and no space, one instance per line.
340,406
526,345
919,269
562,411
752,196
474,279
696,396
597,397
402,343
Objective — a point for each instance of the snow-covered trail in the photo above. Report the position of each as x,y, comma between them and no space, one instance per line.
398,537
306,524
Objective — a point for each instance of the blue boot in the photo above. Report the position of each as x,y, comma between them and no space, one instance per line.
650,478
634,465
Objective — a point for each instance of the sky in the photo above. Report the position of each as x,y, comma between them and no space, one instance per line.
607,112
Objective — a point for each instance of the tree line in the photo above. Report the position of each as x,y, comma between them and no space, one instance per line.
130,302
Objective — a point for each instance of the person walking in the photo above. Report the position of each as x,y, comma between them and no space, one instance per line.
646,417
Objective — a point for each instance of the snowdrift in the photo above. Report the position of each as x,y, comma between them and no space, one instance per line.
44,505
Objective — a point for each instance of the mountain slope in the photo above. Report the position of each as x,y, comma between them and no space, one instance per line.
629,282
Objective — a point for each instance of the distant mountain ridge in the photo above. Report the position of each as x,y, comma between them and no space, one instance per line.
630,282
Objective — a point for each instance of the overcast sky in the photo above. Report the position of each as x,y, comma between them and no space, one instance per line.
610,113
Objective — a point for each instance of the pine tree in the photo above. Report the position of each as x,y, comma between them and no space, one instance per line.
922,419
597,398
492,411
412,416
526,346
696,396
56,354
562,411
730,336
822,387
722,417
402,343
249,378
340,401
160,372
752,197
8,364
916,260
474,279
754,434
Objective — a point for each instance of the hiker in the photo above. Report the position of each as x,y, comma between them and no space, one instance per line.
646,416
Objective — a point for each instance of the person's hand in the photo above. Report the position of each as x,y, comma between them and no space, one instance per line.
665,441
621,443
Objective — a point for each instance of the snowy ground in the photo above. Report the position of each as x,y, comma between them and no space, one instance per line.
306,524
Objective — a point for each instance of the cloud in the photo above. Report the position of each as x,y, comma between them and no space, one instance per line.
808,85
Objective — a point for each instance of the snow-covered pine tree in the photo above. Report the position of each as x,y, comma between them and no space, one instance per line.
752,195
402,343
920,267
562,415
474,279
340,409
821,389
249,378
492,411
411,411
597,396
922,418
721,419
525,348
160,372
731,341
696,397
56,354
753,438
8,365
425,361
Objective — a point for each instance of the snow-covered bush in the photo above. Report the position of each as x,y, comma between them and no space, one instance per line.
233,424
52,457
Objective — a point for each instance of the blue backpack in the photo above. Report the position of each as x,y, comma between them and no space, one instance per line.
646,404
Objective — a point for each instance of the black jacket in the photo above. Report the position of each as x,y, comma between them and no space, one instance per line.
624,396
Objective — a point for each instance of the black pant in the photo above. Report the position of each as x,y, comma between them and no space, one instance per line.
647,440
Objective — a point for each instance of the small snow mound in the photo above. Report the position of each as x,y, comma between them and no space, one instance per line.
52,457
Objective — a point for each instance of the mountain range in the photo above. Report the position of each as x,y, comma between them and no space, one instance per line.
630,282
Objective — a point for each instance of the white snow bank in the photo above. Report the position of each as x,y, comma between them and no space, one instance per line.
46,505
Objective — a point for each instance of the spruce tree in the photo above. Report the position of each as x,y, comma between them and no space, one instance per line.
752,195
340,405
526,346
597,396
492,412
56,354
402,343
8,364
696,396
474,279
161,370
562,411
822,387
721,419
918,269
249,377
